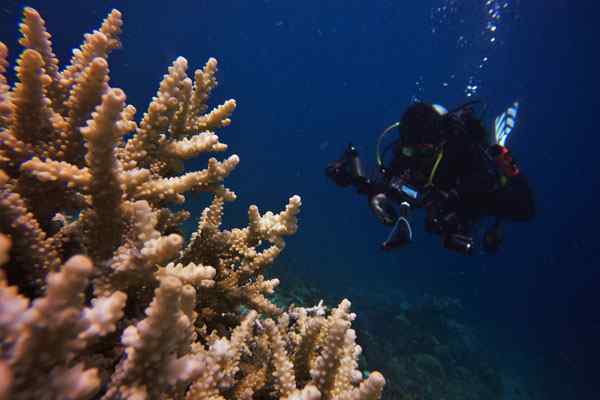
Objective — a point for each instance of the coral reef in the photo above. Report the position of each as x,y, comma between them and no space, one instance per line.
432,354
100,294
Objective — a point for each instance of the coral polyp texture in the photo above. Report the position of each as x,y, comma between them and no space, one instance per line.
101,296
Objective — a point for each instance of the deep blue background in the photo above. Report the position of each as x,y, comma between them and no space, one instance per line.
310,76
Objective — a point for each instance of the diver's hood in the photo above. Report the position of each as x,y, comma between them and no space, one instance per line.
421,124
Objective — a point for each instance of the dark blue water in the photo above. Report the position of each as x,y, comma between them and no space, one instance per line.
310,76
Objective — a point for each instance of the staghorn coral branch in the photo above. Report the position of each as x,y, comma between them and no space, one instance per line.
308,393
205,82
32,119
178,121
285,383
192,274
101,135
273,227
240,335
25,231
48,337
50,171
253,295
4,249
224,356
328,363
97,44
170,189
5,103
153,346
35,37
217,118
13,152
86,94
348,372
306,350
255,379
111,28
370,389
103,316
142,149
192,147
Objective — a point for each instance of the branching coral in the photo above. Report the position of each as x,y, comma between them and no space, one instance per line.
100,297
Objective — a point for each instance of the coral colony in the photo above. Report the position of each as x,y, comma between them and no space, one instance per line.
101,297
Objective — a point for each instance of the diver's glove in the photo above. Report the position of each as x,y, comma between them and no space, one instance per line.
401,233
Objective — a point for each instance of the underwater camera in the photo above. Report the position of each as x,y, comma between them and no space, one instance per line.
347,170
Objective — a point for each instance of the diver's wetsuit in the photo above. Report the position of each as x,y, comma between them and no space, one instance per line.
447,159
467,170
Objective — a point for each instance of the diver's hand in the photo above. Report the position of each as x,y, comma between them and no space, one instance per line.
382,207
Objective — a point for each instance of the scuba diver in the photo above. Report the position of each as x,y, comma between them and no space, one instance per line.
446,163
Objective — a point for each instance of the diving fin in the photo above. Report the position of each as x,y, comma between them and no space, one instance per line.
505,123
401,233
